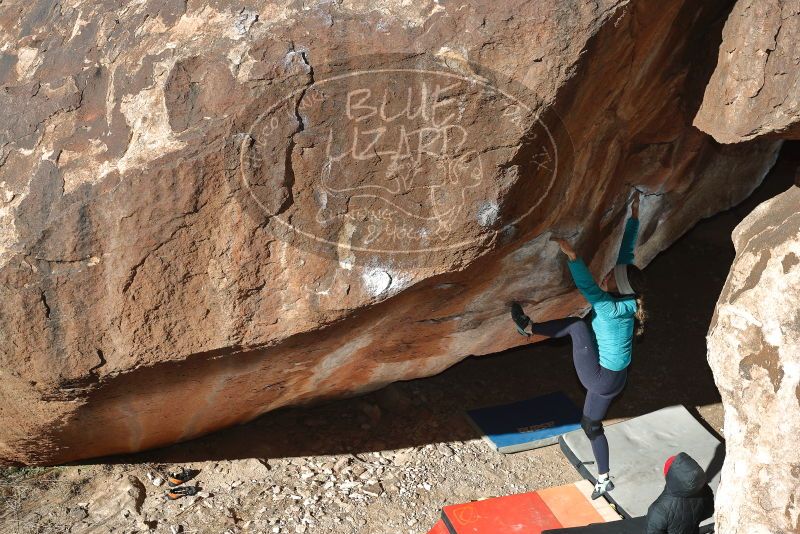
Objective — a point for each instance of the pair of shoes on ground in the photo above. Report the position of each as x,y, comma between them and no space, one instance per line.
175,479
521,320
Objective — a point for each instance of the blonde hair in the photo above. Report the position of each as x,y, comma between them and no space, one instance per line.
637,281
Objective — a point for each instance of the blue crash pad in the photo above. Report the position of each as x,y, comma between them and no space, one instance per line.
526,424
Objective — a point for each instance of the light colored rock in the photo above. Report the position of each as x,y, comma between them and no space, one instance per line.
77,513
754,352
123,498
755,88
247,469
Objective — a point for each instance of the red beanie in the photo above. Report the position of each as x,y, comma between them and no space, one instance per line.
667,464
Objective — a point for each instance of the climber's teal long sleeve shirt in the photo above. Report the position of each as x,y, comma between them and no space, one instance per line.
612,318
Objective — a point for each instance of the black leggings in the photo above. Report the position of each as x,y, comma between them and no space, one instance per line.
601,384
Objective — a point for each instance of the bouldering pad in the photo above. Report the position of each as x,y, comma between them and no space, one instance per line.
529,513
639,447
526,424
636,525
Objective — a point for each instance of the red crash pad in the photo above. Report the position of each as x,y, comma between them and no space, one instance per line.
525,513
529,513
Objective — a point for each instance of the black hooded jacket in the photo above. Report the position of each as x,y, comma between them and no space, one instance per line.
685,502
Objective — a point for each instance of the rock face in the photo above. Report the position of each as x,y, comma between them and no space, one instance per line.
755,89
212,210
754,351
753,344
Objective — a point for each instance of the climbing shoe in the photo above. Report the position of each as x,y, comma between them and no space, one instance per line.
601,488
179,477
520,319
181,491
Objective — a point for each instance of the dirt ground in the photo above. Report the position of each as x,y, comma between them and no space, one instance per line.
385,463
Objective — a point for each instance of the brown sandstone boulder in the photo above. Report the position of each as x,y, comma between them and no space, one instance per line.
755,88
754,351
208,211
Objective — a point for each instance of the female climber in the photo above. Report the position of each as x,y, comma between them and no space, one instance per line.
601,347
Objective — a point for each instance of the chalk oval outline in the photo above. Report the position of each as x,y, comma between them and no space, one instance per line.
347,246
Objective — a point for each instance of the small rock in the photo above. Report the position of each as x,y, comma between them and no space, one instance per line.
358,470
402,457
155,479
341,464
77,513
373,489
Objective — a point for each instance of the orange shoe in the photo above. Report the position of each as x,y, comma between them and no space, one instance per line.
179,477
182,491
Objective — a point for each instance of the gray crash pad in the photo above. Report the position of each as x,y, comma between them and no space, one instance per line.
639,447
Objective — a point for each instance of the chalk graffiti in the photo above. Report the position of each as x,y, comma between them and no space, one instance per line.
409,160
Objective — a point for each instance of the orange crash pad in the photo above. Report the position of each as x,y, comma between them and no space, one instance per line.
529,513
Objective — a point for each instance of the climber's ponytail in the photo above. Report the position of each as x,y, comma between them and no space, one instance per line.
637,281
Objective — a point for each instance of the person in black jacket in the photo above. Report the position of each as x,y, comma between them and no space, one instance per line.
686,500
